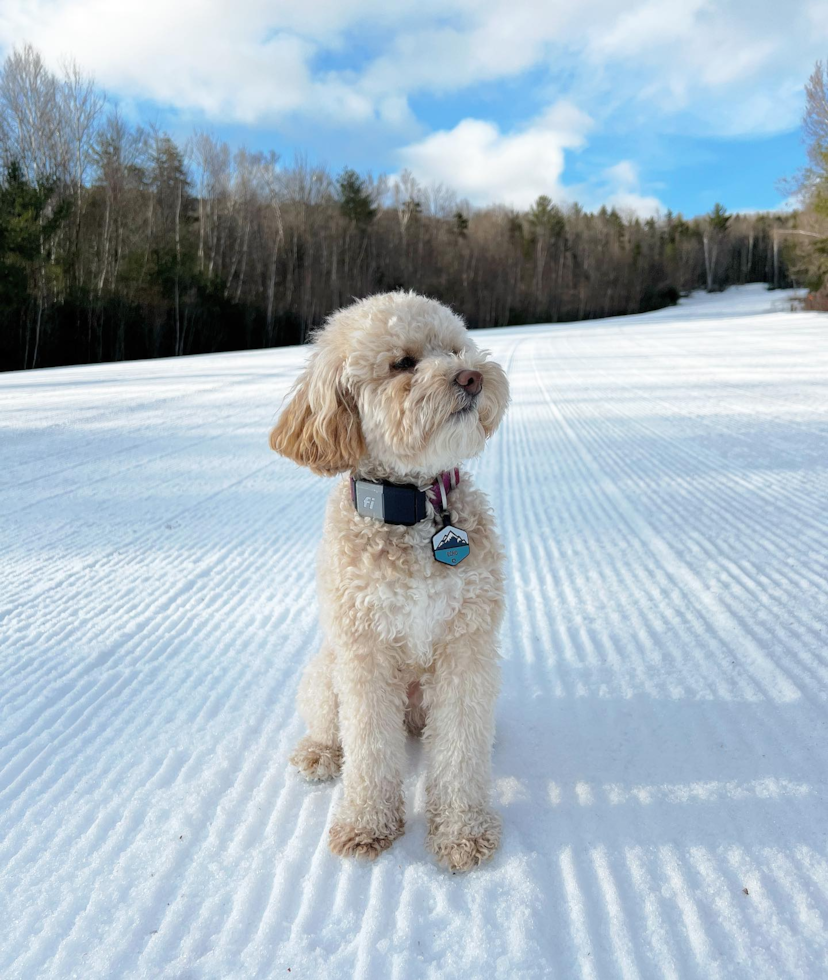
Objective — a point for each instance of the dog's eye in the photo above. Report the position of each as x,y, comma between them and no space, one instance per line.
404,363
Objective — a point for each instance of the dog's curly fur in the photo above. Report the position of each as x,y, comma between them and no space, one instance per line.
411,644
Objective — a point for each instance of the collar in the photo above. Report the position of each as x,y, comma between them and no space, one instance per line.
402,503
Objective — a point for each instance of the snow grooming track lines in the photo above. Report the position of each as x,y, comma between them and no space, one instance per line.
657,554
661,755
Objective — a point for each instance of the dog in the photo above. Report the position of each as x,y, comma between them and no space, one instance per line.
411,573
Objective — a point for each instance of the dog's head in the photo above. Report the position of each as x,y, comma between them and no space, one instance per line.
394,380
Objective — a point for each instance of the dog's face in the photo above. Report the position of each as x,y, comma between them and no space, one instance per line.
394,380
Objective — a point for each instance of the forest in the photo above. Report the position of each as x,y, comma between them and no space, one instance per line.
117,242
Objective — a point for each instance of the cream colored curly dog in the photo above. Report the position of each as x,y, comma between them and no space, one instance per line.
396,394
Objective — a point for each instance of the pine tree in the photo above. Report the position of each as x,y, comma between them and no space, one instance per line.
29,220
355,199
718,218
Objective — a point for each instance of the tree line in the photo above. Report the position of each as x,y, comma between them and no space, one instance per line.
117,242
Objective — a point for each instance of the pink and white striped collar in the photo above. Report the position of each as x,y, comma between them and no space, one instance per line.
442,486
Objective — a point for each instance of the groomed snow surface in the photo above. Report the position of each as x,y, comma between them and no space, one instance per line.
661,483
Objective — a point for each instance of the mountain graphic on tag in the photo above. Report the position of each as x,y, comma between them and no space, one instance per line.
450,545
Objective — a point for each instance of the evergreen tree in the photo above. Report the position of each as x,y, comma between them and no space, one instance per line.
718,218
30,218
355,201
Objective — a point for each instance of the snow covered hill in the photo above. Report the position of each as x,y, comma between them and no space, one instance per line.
662,758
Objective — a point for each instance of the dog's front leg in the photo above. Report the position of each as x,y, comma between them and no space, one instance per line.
372,698
463,830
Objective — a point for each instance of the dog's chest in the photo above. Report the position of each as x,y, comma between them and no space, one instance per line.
407,596
422,611
387,587
409,599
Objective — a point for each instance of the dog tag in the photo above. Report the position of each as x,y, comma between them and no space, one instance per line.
450,545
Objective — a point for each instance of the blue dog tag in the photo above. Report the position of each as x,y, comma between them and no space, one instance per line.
450,545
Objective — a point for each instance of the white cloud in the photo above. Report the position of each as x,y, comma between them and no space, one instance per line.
640,205
481,163
245,61
624,174
487,166
730,67
620,189
638,29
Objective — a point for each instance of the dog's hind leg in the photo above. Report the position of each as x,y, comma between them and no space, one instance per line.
318,756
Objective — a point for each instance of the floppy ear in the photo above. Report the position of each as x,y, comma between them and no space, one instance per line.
319,428
495,396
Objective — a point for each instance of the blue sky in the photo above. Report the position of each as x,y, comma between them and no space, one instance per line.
642,105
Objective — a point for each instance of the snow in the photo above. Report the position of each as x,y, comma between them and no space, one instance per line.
662,758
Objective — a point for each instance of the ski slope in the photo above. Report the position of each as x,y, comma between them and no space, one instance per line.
662,733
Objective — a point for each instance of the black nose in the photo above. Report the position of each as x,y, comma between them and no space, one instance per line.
470,381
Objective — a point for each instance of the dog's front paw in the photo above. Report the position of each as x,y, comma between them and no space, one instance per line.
461,842
366,838
317,761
